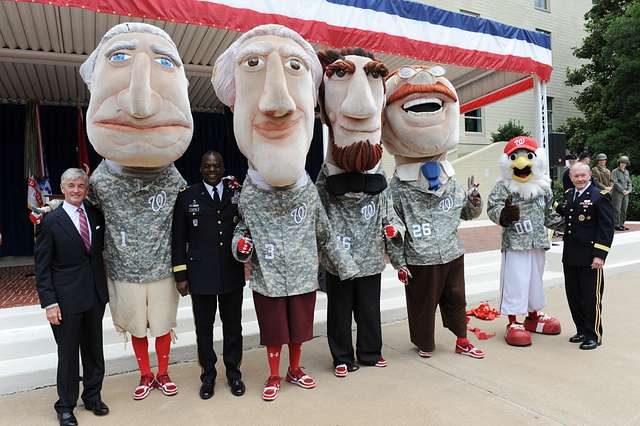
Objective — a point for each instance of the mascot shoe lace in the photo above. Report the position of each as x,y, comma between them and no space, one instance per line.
166,385
299,378
271,388
517,335
144,388
544,324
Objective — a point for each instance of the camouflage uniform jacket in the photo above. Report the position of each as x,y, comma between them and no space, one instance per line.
535,214
601,177
431,219
138,217
621,180
359,219
288,228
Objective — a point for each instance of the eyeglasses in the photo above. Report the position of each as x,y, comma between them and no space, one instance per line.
407,71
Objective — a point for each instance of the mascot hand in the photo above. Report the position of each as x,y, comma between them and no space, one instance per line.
510,213
472,191
245,245
183,287
390,231
404,275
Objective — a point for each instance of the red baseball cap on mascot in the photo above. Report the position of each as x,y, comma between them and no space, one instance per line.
520,142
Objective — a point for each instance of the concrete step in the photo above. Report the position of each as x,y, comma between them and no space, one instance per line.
28,352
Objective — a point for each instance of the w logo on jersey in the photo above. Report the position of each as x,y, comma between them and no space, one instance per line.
158,201
299,213
368,211
446,204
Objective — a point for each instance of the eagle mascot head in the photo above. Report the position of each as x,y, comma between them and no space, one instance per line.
523,167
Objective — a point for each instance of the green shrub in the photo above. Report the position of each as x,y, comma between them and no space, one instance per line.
633,212
508,131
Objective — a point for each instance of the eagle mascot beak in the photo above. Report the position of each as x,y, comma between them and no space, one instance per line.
522,167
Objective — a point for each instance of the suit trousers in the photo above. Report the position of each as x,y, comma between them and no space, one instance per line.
204,313
430,286
584,287
359,297
81,332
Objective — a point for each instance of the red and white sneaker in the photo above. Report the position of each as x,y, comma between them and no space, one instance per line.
299,378
381,363
165,384
424,354
144,388
543,325
341,370
271,388
470,350
516,335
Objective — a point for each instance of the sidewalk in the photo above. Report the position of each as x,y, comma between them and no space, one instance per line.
552,382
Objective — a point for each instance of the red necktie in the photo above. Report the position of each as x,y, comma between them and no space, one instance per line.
84,229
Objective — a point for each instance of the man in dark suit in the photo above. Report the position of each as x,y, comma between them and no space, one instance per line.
588,216
72,287
204,218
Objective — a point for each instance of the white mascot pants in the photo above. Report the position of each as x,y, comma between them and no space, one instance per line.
521,288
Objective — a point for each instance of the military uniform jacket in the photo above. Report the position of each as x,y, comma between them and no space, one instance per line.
535,214
289,228
201,240
138,218
601,177
431,220
589,226
359,219
621,180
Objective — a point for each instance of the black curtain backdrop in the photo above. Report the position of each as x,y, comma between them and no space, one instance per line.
58,126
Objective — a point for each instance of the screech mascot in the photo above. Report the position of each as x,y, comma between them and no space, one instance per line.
353,190
522,203
421,125
139,119
270,77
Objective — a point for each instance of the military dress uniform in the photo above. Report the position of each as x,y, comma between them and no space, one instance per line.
201,253
589,233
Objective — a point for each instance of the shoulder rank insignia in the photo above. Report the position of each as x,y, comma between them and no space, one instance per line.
183,188
568,190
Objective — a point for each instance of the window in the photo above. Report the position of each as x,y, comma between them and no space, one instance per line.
473,121
549,114
540,30
541,4
470,13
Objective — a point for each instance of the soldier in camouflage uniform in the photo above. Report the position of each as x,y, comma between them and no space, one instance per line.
140,129
522,203
353,189
271,83
421,125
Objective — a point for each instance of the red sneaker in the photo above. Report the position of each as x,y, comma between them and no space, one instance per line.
299,378
144,388
470,350
381,363
271,388
543,325
516,335
424,354
341,370
165,384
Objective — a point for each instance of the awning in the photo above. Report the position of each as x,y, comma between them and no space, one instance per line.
43,42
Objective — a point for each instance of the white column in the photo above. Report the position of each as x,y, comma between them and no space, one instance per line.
541,131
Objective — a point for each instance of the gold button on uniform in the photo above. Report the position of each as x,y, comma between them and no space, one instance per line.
220,243
219,222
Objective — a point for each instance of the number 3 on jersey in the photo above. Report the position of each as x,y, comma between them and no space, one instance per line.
421,230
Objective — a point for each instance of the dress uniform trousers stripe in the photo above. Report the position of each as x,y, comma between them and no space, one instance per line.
584,287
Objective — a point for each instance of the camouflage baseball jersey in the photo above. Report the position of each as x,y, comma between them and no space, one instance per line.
138,218
359,219
535,214
288,228
431,219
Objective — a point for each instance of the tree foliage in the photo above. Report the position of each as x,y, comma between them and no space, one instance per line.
610,96
508,131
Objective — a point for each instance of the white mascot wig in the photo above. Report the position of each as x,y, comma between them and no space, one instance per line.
223,78
523,167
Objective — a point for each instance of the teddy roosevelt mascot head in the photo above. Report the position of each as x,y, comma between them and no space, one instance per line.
139,113
352,97
269,77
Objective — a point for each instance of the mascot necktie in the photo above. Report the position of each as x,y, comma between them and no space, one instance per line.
431,170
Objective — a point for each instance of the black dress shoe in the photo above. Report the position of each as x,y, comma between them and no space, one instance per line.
99,408
237,387
206,390
577,338
588,344
67,419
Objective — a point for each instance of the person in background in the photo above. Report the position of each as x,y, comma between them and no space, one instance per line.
602,175
621,190
570,160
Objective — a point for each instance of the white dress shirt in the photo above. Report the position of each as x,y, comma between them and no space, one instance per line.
72,211
578,194
219,189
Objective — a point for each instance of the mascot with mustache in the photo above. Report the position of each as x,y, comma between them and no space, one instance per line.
353,190
270,77
421,125
522,203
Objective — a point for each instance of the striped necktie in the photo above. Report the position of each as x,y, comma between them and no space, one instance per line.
84,229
